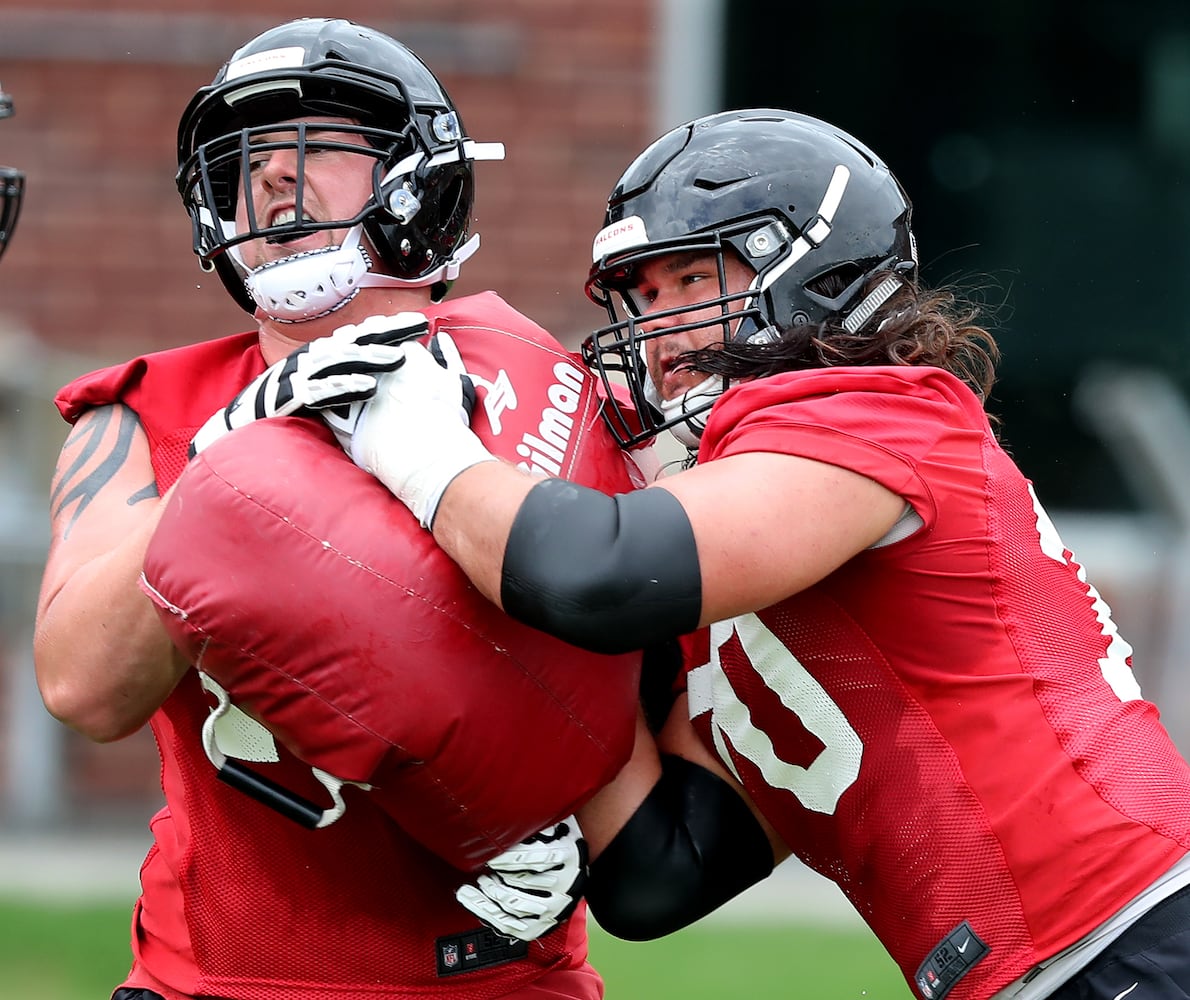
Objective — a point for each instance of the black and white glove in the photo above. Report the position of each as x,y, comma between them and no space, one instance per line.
414,433
335,370
534,886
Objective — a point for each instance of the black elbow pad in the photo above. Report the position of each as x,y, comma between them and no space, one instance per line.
608,574
692,845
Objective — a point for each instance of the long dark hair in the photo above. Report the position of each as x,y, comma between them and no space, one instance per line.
916,326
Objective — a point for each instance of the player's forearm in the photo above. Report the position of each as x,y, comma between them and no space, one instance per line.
474,518
104,661
603,815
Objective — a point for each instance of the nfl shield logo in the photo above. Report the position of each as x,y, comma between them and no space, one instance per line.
450,955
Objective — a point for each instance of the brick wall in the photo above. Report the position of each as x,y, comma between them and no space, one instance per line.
103,258
101,266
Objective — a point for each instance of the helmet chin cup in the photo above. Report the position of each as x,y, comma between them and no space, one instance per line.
311,284
314,283
688,432
685,416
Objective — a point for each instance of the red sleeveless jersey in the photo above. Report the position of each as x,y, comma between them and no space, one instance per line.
947,726
238,901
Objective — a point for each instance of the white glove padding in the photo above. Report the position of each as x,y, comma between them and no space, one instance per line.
534,886
330,371
414,434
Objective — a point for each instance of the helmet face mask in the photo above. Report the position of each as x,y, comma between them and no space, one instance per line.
617,352
418,214
221,180
812,211
12,187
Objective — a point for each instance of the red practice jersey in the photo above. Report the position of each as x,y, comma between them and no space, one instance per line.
947,726
242,903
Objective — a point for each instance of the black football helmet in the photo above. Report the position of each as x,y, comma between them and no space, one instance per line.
12,187
809,208
418,216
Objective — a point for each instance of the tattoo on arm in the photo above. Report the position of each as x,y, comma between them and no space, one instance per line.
148,492
93,468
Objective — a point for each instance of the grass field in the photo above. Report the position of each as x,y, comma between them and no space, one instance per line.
59,952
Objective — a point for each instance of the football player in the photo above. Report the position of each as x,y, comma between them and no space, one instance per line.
12,186
893,657
329,179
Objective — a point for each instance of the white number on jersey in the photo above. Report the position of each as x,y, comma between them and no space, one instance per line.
1114,665
832,772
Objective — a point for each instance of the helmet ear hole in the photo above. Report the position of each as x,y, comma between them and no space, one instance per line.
455,202
835,282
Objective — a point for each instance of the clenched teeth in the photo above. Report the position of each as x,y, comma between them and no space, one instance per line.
288,216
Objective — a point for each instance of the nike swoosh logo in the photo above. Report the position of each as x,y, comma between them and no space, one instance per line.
1120,996
963,948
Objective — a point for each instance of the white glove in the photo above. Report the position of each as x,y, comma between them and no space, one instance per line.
534,886
414,434
330,371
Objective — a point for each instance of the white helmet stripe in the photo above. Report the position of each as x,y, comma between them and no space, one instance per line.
821,227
